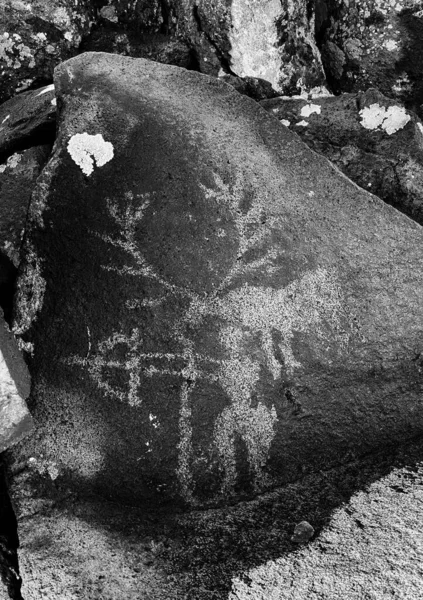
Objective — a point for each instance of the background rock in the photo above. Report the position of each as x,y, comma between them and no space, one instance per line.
18,176
35,36
28,119
375,142
373,43
268,40
152,46
211,306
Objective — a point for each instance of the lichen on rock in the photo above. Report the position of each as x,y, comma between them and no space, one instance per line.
87,150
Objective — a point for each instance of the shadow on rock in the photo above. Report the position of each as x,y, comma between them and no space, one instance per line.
198,555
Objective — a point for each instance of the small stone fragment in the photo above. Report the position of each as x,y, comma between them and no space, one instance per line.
302,533
15,420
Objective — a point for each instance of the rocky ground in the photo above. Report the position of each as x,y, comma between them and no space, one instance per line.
367,543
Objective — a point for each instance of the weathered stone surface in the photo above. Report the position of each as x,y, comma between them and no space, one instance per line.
15,420
254,87
128,42
211,306
17,179
28,119
373,43
373,140
270,40
35,36
145,15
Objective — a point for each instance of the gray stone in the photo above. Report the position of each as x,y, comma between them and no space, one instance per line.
371,138
28,119
303,532
15,420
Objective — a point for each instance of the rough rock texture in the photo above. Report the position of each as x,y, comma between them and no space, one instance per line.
373,140
367,542
254,87
35,36
15,420
146,15
10,581
17,179
152,46
28,119
211,306
373,43
271,40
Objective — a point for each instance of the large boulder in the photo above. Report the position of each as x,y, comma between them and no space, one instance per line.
35,36
372,139
211,307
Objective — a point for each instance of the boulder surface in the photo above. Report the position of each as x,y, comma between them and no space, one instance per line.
211,307
373,140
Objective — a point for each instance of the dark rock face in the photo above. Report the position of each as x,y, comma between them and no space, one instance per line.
10,580
373,44
211,307
35,36
375,142
26,120
162,48
18,176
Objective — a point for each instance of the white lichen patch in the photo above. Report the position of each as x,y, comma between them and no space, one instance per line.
391,45
11,163
309,109
86,149
389,119
39,37
302,123
285,122
420,126
13,52
109,13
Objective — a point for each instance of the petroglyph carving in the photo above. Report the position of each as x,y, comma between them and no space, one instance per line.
312,303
